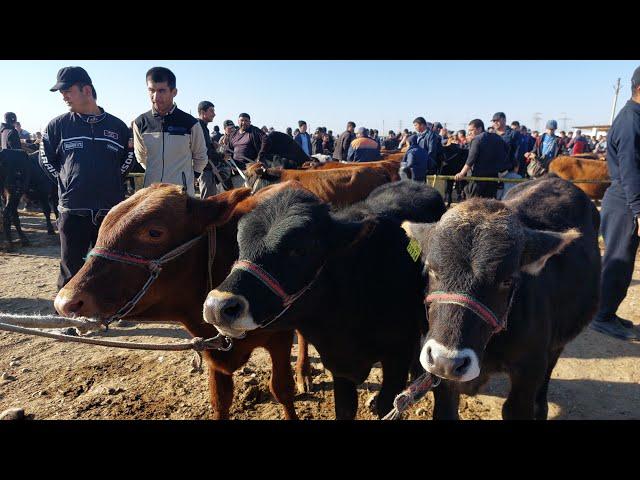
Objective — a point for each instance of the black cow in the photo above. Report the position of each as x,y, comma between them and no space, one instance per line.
284,152
360,291
453,159
20,174
530,265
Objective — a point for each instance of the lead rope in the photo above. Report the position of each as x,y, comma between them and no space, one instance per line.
196,361
411,395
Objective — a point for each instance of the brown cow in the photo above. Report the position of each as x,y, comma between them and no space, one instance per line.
151,223
391,166
573,168
338,186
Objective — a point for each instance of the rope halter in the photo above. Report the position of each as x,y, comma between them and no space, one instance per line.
153,265
273,285
476,306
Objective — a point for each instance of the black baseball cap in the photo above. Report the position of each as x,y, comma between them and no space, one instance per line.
498,116
205,105
10,117
69,76
635,79
228,123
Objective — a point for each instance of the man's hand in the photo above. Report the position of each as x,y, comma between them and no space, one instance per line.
462,173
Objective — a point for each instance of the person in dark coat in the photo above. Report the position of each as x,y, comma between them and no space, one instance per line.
9,137
344,142
620,216
415,163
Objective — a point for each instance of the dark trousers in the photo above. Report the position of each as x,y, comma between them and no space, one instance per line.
78,235
481,189
620,232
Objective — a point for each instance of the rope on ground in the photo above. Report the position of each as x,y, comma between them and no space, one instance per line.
411,395
219,342
503,180
83,324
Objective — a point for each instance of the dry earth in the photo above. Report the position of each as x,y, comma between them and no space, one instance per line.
597,377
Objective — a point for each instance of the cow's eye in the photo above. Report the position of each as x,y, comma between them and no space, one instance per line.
155,233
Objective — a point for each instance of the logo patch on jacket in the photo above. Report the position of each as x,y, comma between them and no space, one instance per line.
110,134
72,145
111,147
173,130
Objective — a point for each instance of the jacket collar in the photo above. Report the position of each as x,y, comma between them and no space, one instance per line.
92,118
156,114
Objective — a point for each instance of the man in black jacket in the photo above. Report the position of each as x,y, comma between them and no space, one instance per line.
8,134
486,153
511,138
86,152
620,214
344,142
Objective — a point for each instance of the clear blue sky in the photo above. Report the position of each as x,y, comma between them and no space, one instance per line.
330,93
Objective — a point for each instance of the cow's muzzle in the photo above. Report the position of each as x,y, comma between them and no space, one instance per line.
229,313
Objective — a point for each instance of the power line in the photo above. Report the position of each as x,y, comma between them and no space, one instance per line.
536,120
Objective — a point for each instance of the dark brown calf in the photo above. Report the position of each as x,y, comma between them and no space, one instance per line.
151,223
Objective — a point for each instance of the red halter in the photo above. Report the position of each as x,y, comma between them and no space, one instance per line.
470,303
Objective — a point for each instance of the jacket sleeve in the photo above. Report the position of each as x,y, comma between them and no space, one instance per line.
198,148
48,158
473,153
14,140
126,161
139,147
629,162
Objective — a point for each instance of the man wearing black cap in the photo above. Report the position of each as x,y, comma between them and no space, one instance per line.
86,152
9,136
620,214
511,138
248,142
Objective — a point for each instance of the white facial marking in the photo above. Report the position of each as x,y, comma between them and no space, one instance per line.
438,350
238,328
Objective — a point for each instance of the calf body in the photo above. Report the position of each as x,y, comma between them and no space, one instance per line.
573,168
510,283
359,293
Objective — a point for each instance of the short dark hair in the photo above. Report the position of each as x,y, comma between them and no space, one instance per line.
301,122
477,123
162,74
516,123
244,115
351,124
93,89
216,128
462,132
420,120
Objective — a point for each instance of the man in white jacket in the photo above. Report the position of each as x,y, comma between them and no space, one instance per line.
168,143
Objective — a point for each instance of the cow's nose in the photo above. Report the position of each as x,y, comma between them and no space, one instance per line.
224,308
446,363
67,304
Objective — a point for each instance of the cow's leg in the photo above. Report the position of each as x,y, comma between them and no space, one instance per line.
282,386
446,400
448,193
303,366
394,380
541,408
221,393
525,383
346,398
6,223
14,201
46,209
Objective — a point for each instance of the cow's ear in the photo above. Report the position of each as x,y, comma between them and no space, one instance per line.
347,235
420,232
215,210
541,245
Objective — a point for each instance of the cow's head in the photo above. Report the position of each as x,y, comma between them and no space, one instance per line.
475,256
149,224
260,175
284,242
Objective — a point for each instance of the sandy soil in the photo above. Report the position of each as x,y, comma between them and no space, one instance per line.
597,377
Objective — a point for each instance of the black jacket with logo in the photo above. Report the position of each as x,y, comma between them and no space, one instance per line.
87,155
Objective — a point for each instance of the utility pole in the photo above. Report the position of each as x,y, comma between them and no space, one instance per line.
564,120
616,89
400,125
536,120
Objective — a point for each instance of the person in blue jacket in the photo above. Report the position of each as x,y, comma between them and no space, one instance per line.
87,153
415,163
620,216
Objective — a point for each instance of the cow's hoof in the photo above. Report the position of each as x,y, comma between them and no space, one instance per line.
305,385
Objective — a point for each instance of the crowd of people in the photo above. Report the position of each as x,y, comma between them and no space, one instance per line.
87,152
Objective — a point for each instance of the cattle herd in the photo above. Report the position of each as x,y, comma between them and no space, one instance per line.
366,268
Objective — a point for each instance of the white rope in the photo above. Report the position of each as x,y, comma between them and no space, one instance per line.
83,324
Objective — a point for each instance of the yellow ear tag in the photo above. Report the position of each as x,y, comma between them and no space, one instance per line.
414,249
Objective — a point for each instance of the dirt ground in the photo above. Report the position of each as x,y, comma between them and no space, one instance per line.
597,377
